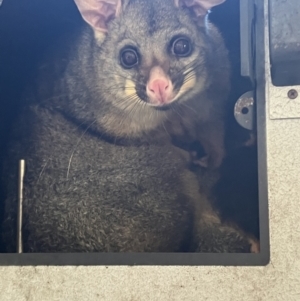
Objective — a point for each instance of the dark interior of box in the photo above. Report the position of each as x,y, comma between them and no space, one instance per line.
28,27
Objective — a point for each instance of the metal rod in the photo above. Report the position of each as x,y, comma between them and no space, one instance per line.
20,206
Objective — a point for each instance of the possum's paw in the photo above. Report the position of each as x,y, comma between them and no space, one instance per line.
203,161
255,246
224,239
212,161
251,141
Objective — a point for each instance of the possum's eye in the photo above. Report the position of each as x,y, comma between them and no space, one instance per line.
181,47
129,57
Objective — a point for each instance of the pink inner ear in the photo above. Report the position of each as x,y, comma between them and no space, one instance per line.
200,7
98,12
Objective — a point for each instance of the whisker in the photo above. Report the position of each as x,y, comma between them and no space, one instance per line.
188,78
43,168
173,108
163,124
128,78
47,161
185,105
79,140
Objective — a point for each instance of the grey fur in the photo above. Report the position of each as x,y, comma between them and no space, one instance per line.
102,172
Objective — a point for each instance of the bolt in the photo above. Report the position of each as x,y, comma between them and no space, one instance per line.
292,94
245,110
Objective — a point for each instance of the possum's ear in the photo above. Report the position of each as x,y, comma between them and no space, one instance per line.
97,13
200,7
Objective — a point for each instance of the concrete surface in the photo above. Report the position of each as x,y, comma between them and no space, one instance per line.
280,280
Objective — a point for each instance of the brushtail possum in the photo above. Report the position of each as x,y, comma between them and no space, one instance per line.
102,173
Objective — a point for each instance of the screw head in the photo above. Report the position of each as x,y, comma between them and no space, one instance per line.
292,94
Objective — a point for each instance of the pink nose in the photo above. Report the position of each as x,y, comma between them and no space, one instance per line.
159,90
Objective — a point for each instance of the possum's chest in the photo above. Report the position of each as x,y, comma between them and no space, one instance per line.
116,197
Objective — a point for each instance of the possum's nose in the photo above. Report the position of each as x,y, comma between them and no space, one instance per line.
159,88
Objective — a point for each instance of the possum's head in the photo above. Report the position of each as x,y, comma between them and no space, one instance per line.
152,52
